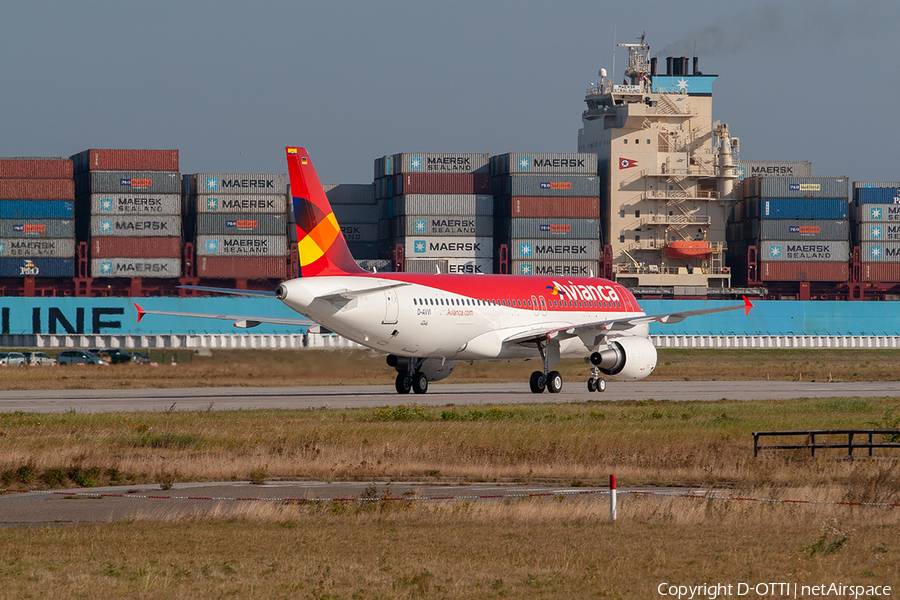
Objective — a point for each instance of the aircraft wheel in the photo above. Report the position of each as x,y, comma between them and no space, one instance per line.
601,385
420,383
403,383
537,382
592,385
554,382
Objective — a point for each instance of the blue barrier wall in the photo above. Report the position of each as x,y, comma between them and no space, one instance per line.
117,316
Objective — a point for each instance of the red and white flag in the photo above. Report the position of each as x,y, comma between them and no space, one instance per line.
627,163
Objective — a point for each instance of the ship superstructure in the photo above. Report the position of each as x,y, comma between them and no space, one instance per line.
666,169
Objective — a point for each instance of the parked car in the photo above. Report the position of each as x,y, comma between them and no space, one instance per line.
79,357
113,355
12,359
39,358
141,358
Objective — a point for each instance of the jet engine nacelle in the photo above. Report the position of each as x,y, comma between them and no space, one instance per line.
435,371
629,358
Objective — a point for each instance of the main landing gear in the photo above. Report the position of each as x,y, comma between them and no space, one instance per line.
410,378
546,379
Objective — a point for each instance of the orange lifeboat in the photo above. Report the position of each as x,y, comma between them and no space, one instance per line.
688,249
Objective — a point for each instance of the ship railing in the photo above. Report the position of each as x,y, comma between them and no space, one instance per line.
681,194
676,220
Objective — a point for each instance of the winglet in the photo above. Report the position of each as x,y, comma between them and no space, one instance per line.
747,306
141,312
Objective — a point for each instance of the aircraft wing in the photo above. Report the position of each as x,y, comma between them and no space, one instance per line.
233,291
601,328
242,321
350,294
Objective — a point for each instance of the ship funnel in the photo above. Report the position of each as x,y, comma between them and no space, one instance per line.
653,67
696,65
669,60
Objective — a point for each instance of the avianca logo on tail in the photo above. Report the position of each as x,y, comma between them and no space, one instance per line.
588,292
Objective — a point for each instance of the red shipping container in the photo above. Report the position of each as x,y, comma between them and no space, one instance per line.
457,183
35,168
37,189
880,272
519,207
255,267
804,271
126,160
136,247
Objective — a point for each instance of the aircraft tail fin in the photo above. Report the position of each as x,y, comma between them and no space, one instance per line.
320,243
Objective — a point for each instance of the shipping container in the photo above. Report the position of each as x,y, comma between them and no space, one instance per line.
37,189
37,228
470,266
359,232
38,248
804,271
788,229
884,195
880,272
126,160
558,268
350,193
35,168
878,232
442,164
157,268
543,162
875,184
773,168
364,250
537,249
237,203
129,204
799,208
255,267
127,182
549,228
156,247
242,245
143,226
804,251
444,205
37,267
797,187
882,252
237,183
547,185
877,213
447,225
37,209
535,207
446,247
356,213
240,224
440,184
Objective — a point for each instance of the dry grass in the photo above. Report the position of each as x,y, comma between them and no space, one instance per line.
359,367
646,442
525,549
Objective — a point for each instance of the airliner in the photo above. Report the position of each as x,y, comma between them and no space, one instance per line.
426,323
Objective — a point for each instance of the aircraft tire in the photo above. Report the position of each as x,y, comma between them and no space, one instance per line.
592,385
403,383
554,382
601,385
420,383
537,382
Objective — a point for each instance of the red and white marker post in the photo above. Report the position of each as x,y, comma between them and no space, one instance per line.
612,497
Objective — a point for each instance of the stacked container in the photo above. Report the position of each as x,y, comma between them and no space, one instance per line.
240,224
357,214
546,210
876,216
37,231
439,209
128,210
799,225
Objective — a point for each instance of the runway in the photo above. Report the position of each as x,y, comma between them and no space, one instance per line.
250,398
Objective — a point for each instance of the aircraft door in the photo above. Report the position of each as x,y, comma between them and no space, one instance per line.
534,304
543,306
391,307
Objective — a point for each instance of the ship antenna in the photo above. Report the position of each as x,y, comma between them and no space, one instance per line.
613,78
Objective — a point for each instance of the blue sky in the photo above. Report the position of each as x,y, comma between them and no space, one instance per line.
231,83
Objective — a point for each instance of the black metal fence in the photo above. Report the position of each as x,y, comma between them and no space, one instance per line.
864,439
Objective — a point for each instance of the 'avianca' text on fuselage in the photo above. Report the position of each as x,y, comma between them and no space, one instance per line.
425,323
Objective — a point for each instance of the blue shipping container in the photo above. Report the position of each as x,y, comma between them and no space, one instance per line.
803,208
877,195
36,209
37,267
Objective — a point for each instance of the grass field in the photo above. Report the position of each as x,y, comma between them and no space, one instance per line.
359,367
533,548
